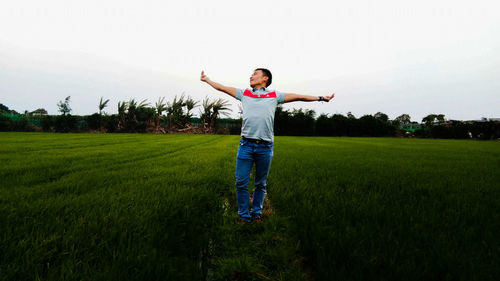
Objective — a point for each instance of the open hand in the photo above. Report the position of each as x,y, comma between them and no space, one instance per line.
328,98
204,78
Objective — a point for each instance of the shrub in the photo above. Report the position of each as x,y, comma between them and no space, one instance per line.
21,123
65,123
93,121
4,123
111,123
47,123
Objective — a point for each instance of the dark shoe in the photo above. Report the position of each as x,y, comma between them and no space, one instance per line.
243,221
257,219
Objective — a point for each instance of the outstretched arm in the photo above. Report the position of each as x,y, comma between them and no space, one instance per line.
219,87
289,97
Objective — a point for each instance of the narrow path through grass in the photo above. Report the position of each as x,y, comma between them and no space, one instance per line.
255,251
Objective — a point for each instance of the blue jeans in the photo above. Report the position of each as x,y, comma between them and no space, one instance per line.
248,154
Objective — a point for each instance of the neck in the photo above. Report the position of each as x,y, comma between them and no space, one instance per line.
263,85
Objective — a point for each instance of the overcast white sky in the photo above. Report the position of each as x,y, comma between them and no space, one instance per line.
415,57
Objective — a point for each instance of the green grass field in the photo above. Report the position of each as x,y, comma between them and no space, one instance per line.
162,207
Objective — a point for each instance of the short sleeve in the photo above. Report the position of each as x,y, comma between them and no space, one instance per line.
280,96
239,94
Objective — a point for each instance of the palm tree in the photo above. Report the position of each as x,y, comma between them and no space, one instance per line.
143,103
122,110
212,110
102,105
174,111
179,111
221,107
190,104
206,114
160,106
131,121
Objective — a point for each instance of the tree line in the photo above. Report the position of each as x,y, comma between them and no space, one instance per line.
303,123
132,117
177,116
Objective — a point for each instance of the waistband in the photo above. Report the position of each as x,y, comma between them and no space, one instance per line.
256,140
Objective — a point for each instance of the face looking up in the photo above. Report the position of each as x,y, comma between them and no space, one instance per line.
258,78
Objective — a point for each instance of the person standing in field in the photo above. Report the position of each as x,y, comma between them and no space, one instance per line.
257,136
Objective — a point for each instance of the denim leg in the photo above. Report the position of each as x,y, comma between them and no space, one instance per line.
263,157
244,163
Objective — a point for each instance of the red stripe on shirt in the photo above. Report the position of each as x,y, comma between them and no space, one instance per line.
250,94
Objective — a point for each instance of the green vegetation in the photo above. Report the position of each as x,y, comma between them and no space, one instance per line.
392,209
178,116
162,207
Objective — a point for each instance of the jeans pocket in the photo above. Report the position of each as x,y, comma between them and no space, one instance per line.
244,152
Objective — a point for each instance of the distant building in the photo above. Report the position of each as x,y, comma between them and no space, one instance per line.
38,112
483,120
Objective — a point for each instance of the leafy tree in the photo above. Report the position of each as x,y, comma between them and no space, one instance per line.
65,122
403,119
323,126
440,118
303,122
340,125
281,121
63,106
486,130
434,127
375,127
381,116
4,108
297,122
429,119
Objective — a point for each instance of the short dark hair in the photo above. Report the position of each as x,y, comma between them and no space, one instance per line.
267,73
